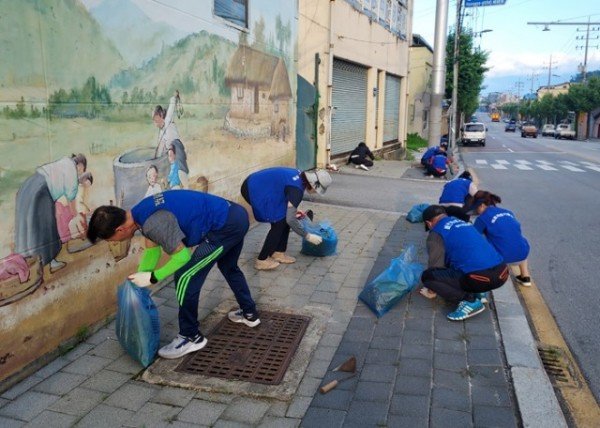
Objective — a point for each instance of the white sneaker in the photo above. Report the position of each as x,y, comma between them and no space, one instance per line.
363,167
181,346
56,265
251,320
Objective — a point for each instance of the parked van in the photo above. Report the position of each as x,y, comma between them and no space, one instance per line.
473,133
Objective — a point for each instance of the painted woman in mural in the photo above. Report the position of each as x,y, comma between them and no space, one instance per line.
36,228
152,177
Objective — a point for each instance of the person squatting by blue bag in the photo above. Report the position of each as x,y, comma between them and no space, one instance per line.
274,195
462,265
175,221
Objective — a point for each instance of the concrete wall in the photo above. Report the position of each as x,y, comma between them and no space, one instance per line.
84,76
336,29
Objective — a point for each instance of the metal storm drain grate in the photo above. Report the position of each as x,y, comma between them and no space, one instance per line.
261,354
556,365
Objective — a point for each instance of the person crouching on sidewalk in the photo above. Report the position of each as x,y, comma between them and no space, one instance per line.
502,229
359,157
462,263
274,195
175,221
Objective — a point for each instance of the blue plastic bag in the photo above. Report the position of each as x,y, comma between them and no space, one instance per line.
137,323
415,215
401,276
324,230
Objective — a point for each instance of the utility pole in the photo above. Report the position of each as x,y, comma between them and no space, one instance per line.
533,76
519,86
455,70
438,71
550,71
583,68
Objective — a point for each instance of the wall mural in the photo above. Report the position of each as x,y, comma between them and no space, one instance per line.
98,107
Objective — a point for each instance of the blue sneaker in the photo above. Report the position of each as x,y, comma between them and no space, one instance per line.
466,310
483,297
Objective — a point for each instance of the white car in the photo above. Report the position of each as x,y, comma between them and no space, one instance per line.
564,130
548,130
473,133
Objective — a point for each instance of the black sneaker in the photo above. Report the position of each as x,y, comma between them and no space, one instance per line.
309,214
250,319
523,280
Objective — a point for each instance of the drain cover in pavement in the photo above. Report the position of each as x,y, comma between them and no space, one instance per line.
261,354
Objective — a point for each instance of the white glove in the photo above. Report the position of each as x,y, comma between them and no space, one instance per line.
313,239
141,279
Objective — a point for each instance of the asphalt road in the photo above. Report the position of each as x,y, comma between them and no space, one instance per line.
554,189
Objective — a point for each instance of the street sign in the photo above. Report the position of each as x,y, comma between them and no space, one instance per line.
477,3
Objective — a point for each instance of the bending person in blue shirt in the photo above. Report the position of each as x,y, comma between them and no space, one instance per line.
462,265
175,221
274,195
502,229
432,151
457,195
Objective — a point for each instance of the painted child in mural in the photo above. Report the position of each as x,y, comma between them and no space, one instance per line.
36,228
174,181
78,224
154,186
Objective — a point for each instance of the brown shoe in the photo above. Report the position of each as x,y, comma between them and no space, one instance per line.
283,258
267,264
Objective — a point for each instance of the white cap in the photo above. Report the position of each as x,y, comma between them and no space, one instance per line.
318,179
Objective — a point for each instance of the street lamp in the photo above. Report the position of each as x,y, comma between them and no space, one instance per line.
479,33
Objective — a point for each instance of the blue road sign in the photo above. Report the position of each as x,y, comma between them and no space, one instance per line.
476,3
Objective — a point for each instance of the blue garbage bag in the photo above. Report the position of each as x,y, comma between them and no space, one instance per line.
415,215
401,276
324,230
137,323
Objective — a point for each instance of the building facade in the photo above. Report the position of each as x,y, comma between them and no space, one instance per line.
419,86
352,76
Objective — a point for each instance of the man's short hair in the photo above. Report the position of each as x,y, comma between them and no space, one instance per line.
104,222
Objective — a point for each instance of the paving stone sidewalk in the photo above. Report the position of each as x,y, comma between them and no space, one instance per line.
415,367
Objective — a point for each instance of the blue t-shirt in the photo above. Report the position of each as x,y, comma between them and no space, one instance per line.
504,233
197,213
439,163
429,153
268,195
455,191
466,249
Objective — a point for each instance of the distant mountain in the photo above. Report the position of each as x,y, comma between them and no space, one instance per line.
137,37
54,43
194,65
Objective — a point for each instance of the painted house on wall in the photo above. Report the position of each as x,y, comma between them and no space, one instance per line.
85,76
260,94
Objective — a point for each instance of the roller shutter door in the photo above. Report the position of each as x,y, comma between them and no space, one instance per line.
391,108
349,120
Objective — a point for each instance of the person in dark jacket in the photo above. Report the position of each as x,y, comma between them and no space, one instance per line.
457,196
176,221
462,264
274,195
360,157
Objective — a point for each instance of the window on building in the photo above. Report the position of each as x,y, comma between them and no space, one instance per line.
235,11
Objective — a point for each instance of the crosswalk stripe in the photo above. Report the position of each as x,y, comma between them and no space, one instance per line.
503,161
594,168
481,162
523,167
547,167
572,168
523,161
498,166
568,163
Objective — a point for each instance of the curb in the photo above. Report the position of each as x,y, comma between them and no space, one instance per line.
535,395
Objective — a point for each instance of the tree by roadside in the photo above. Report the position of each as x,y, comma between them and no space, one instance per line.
471,71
